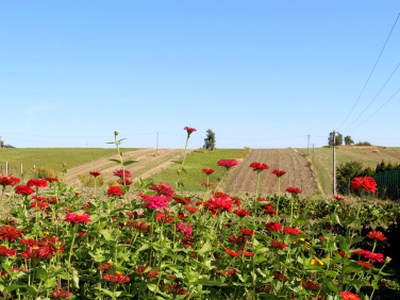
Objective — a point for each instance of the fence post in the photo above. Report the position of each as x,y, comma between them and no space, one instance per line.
6,168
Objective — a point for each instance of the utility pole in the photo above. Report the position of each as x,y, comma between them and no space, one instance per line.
334,162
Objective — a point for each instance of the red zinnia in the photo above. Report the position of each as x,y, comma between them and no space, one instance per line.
278,275
77,218
157,202
367,183
162,189
310,285
273,226
116,278
224,203
189,129
241,212
293,190
247,253
115,191
247,231
258,166
231,252
339,198
141,271
95,174
4,251
8,180
9,232
176,289
349,296
36,252
24,189
378,235
227,163
61,293
291,230
37,182
121,173
208,171
279,245
192,209
278,173
50,179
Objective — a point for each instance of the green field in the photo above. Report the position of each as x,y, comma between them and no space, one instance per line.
51,158
195,162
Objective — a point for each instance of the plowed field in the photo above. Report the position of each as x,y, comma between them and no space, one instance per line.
242,178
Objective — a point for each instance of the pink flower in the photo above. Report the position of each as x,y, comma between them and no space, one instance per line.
294,190
157,202
162,189
208,171
120,173
77,218
184,228
227,163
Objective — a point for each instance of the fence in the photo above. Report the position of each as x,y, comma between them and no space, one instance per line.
16,170
388,184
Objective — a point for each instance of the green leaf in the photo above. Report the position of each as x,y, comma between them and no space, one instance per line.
110,143
75,278
115,160
41,273
207,247
144,247
107,292
332,286
211,283
13,287
129,162
106,234
152,287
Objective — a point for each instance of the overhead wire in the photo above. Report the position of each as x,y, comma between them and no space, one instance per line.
372,71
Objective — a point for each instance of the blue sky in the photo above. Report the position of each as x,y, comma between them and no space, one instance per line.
259,73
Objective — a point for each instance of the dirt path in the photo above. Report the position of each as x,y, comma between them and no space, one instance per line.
147,164
243,179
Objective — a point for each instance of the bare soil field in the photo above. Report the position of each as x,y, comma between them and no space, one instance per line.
147,164
242,178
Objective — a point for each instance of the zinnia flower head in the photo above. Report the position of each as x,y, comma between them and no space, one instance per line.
310,285
162,189
377,235
273,226
367,183
208,171
9,232
227,163
294,190
115,191
258,166
51,179
61,293
277,244
157,202
116,278
232,253
8,180
278,173
291,230
36,252
24,189
349,296
339,198
189,130
37,182
121,173
77,218
95,174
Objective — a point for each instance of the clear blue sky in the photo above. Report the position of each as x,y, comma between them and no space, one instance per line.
259,73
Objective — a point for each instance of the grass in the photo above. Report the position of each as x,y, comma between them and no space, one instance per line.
50,158
195,162
322,159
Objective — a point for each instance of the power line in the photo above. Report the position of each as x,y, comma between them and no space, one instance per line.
372,71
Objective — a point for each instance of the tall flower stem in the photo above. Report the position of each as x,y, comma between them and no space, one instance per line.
74,232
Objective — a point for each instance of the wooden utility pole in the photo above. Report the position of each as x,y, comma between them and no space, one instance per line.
334,163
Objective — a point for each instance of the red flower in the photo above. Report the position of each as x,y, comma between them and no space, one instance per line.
24,189
61,293
77,218
192,209
278,275
105,267
241,212
37,182
115,191
189,130
184,228
310,285
40,205
157,202
163,189
161,217
227,163
365,264
258,167
142,226
116,278
9,232
291,230
279,245
232,253
349,296
293,190
125,181
4,251
339,198
121,173
247,253
278,173
378,235
241,240
208,171
247,231
141,271
95,174
50,179
8,180
206,184
183,200
36,252
366,182
273,226
270,212
176,289
374,256
224,203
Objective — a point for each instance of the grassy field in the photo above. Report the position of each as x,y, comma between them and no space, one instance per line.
51,158
195,162
322,159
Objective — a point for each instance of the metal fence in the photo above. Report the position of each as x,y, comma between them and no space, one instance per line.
388,184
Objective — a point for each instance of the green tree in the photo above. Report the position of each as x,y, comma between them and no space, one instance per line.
338,139
209,141
348,140
345,172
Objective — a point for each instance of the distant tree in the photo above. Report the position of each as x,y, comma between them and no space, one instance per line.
363,144
338,139
209,141
348,141
1,144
